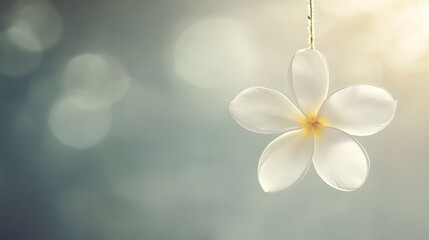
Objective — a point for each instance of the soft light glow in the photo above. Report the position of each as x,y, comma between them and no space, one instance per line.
216,53
77,124
404,35
101,77
23,38
35,27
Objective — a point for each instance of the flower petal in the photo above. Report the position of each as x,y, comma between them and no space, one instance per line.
285,160
309,79
264,110
340,160
359,110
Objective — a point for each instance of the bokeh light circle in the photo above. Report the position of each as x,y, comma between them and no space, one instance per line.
35,26
77,124
101,77
216,53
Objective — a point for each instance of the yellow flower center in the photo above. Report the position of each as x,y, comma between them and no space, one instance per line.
312,124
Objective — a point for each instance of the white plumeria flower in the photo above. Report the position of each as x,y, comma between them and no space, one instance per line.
316,128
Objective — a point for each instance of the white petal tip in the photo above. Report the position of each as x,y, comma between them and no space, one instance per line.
268,190
265,190
348,190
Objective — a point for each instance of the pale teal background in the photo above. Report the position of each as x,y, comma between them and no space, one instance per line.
173,164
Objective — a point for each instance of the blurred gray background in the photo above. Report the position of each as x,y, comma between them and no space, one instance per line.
114,119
